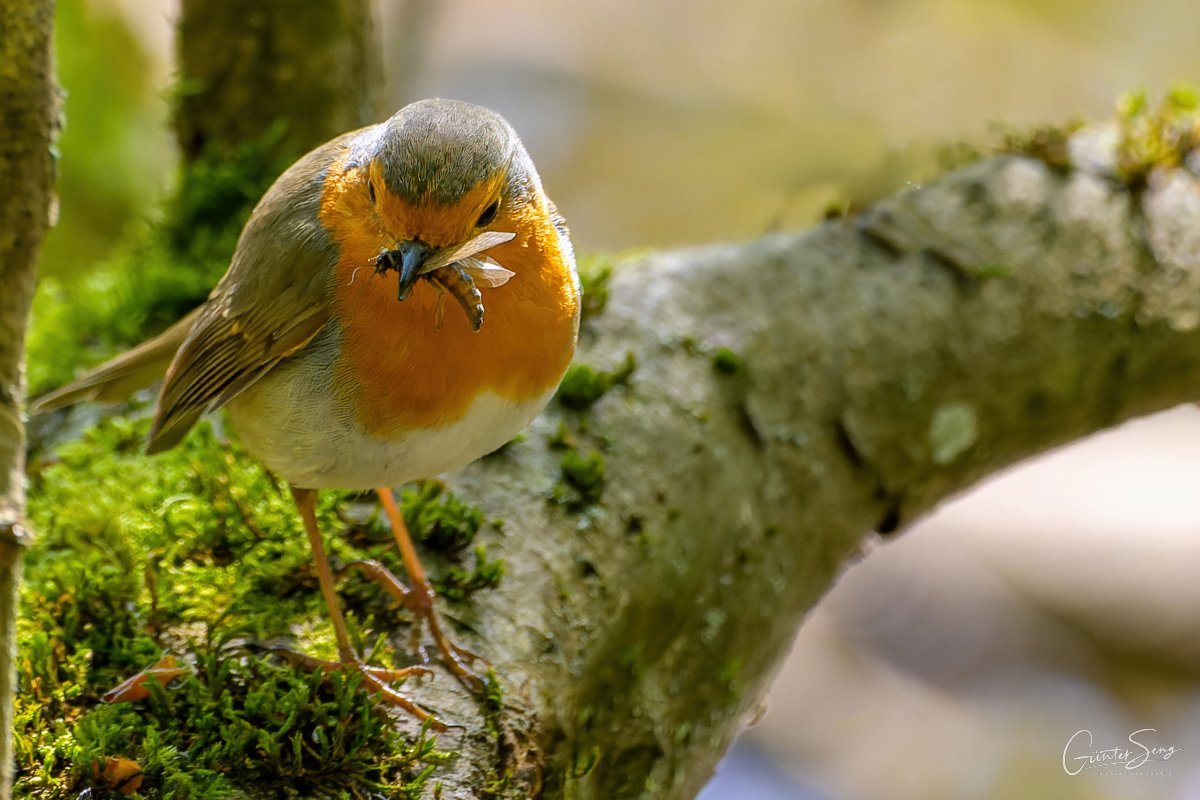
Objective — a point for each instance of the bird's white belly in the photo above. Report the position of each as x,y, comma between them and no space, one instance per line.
305,431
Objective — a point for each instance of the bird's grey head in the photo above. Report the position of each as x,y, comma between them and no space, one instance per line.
436,150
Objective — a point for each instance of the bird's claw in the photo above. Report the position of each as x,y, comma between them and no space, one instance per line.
375,680
420,603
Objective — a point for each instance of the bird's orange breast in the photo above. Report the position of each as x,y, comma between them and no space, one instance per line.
416,363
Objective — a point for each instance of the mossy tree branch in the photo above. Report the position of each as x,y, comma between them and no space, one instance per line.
27,114
793,396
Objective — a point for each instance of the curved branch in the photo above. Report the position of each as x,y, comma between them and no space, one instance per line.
868,369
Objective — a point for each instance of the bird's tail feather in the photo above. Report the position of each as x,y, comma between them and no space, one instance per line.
119,378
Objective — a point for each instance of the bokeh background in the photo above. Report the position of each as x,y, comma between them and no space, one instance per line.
956,661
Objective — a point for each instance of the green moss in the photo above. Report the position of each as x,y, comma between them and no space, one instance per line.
458,583
585,761
585,474
726,361
585,716
1047,143
582,386
730,677
216,193
582,480
986,271
197,551
957,154
446,526
499,786
562,438
241,722
1156,137
494,691
595,272
631,659
1151,136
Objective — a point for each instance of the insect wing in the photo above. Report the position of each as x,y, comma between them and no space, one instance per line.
485,272
476,245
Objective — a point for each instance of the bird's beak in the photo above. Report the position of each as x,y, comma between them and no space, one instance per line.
414,258
411,256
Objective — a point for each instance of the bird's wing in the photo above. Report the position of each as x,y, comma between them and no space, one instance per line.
273,300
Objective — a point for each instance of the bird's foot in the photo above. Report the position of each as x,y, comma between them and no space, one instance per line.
419,601
374,679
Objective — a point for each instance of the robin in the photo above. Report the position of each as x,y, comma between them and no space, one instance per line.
328,340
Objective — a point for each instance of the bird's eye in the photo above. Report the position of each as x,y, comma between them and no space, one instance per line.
488,215
371,190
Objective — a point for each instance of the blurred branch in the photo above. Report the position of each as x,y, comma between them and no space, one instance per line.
27,115
244,66
794,396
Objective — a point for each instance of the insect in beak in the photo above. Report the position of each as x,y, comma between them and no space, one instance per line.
407,259
457,269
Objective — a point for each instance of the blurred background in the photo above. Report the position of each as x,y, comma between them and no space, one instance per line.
957,661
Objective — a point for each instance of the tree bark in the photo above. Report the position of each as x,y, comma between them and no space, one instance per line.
27,115
244,66
874,366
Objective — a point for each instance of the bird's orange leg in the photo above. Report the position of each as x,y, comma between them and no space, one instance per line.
374,678
419,597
